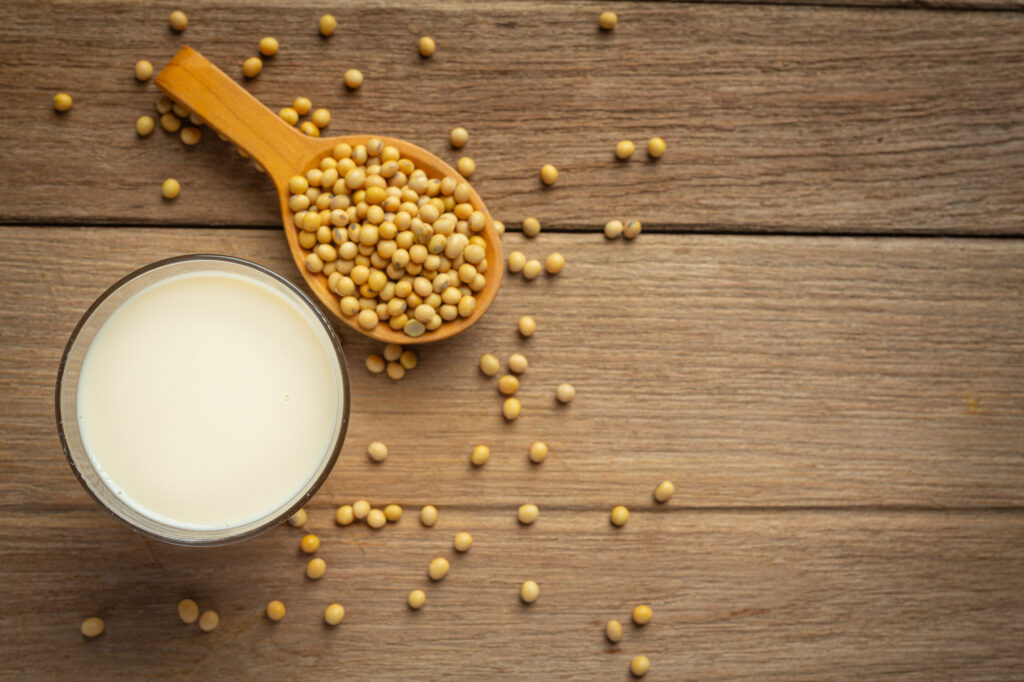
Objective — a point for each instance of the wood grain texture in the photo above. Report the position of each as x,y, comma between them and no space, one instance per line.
754,371
789,596
843,416
816,395
807,119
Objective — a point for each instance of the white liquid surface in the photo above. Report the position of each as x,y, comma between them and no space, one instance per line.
209,400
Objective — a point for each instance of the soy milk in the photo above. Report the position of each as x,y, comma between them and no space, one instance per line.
209,400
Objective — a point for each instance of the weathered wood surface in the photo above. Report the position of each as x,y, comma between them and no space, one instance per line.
799,595
818,396
843,417
755,371
779,119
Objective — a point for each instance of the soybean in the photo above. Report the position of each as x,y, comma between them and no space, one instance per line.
642,614
554,263
320,118
656,147
289,115
368,320
517,363
511,409
462,542
489,364
480,455
612,229
143,70
62,101
191,135
92,627
527,326
188,611
275,610
309,543
178,20
345,515
527,514
376,519
516,261
538,452
252,66
664,491
508,384
268,46
334,614
209,621
394,369
316,568
145,125
428,515
298,519
565,393
170,122
327,24
438,569
353,78
377,451
458,137
392,352
375,363
531,227
529,591
171,188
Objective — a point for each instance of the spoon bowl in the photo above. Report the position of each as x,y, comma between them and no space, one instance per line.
283,151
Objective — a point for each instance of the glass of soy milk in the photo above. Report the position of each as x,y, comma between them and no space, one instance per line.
202,399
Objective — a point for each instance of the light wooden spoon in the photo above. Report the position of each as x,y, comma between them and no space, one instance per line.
283,151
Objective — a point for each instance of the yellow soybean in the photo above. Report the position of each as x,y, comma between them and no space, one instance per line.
462,542
438,568
529,591
275,610
92,627
334,614
188,611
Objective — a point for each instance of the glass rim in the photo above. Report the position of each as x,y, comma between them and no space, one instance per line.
329,331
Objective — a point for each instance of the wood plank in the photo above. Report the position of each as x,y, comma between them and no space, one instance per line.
807,119
793,596
753,371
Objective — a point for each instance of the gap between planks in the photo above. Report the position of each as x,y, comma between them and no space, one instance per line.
16,510
689,230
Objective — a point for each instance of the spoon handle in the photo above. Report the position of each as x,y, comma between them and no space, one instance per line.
230,110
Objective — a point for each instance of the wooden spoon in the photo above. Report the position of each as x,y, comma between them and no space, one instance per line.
283,151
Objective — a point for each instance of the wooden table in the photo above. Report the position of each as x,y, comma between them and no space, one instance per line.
819,337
